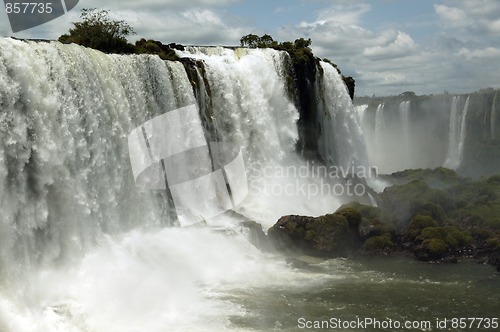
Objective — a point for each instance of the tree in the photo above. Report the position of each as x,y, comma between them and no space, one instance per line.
250,40
267,41
98,31
254,41
303,43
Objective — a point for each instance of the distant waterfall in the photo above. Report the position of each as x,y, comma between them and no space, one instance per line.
379,125
404,111
456,141
493,117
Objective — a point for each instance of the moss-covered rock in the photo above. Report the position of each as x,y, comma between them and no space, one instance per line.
434,248
352,215
418,224
330,235
379,244
165,52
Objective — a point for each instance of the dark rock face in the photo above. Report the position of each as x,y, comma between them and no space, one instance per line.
331,235
303,91
256,235
351,85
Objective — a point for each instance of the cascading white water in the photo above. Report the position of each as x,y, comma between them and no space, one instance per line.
82,248
66,112
251,108
404,113
493,117
379,125
457,134
342,141
247,88
360,111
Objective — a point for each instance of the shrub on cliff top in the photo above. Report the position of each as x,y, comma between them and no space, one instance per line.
98,31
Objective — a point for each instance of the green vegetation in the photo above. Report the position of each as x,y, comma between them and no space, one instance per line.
436,214
330,235
380,243
300,54
165,52
98,31
418,224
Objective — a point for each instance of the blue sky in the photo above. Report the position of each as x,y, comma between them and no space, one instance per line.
388,46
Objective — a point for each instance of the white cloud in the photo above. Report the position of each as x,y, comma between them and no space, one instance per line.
457,55
402,46
472,17
347,15
451,16
489,52
182,23
193,26
378,60
155,4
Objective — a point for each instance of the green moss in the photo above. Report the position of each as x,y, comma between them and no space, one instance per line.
494,224
432,210
294,230
495,179
379,243
432,233
418,224
144,46
453,237
436,248
456,238
330,223
494,242
352,215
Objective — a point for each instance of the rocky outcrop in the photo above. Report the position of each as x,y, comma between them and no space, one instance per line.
256,235
331,235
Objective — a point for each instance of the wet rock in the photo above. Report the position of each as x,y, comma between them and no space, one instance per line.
331,235
256,235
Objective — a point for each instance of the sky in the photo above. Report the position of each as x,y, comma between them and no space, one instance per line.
388,46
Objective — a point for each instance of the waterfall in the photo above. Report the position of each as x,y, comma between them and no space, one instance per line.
360,111
250,106
82,247
404,112
457,133
65,172
64,164
493,118
342,141
379,126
